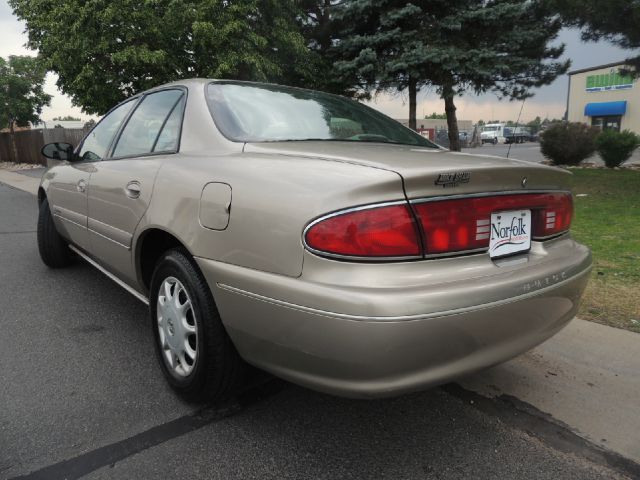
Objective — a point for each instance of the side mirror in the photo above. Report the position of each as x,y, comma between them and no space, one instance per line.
58,151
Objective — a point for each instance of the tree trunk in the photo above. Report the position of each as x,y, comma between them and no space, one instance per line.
452,121
413,93
12,136
324,26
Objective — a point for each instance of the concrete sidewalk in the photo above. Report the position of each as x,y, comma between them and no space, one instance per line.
17,180
587,376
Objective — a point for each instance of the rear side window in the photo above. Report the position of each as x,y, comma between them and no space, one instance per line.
95,145
147,123
168,138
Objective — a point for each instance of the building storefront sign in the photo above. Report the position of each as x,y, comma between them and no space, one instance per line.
613,80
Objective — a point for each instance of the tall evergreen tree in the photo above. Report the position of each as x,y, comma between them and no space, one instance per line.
321,29
615,20
454,45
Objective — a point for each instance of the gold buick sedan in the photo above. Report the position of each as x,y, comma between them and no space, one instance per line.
313,237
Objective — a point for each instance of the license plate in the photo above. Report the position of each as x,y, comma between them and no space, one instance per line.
510,232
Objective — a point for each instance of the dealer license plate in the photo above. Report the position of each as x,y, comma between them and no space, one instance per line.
510,232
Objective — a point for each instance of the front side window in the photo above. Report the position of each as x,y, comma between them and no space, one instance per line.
144,127
267,113
97,143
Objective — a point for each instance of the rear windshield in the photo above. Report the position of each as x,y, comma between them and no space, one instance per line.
270,113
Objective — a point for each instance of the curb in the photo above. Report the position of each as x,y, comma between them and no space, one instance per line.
21,182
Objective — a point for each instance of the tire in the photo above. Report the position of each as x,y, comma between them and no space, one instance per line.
54,250
216,371
495,141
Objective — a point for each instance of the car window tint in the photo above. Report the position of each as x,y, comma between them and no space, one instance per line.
168,138
145,123
95,145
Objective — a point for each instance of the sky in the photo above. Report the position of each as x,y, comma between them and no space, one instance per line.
548,101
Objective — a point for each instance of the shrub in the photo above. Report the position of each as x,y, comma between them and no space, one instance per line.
567,143
616,147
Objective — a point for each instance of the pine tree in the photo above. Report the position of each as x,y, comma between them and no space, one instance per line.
617,21
455,45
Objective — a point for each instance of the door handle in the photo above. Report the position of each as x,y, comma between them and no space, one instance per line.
81,186
133,189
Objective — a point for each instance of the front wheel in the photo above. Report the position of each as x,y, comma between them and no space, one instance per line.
195,353
53,249
495,141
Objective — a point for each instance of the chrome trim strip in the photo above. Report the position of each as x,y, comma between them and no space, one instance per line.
361,259
116,235
110,275
70,215
458,253
70,221
110,239
549,237
402,318
483,194
349,257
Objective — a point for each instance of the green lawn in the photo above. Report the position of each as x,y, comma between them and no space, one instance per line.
607,219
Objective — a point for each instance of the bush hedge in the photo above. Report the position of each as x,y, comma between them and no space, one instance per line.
568,143
615,148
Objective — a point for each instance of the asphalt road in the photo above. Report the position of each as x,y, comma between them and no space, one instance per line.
81,395
529,151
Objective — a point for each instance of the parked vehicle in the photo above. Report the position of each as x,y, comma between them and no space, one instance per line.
442,138
313,237
492,133
516,134
534,137
464,138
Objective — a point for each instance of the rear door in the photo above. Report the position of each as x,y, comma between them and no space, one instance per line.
122,184
68,188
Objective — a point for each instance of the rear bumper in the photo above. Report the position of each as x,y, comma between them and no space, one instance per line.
366,352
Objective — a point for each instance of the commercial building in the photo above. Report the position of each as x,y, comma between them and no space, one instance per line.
604,97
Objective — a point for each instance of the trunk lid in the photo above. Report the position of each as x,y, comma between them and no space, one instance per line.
430,172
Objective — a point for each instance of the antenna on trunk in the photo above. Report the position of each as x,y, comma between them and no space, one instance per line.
516,128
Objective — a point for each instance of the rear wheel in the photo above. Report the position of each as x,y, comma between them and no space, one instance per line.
54,250
195,353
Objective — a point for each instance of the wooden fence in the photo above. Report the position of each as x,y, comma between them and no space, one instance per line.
29,142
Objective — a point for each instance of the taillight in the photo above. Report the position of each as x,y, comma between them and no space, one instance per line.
464,224
443,227
386,231
554,218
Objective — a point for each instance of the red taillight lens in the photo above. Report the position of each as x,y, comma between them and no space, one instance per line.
387,231
465,223
555,217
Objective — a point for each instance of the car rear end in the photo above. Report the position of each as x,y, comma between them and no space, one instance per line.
400,295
